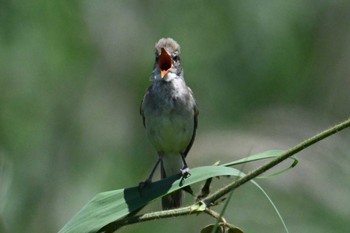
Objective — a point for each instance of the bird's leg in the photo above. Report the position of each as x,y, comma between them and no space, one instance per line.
149,179
185,170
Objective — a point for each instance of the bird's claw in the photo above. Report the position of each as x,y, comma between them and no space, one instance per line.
185,172
143,184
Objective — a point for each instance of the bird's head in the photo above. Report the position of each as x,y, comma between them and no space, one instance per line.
167,64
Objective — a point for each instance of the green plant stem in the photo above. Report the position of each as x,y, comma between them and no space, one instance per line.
215,215
251,175
147,217
225,190
188,210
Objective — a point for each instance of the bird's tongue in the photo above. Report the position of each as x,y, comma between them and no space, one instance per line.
164,63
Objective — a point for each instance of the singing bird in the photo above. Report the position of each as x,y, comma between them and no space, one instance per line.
169,113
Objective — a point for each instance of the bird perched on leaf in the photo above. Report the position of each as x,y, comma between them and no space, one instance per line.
169,114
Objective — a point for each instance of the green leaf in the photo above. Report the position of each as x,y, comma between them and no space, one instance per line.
273,205
110,206
234,230
210,228
264,155
295,162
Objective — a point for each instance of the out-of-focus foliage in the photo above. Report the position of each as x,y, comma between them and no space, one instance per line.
266,75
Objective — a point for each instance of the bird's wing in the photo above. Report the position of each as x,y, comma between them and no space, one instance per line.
195,121
141,108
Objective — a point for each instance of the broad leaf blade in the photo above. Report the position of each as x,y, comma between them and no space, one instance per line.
110,206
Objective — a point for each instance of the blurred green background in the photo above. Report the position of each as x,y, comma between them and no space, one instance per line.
266,75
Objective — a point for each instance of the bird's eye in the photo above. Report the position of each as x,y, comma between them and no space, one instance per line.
176,58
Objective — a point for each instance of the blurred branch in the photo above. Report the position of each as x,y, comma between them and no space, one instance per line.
202,206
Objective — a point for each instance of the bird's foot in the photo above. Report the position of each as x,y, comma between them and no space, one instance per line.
144,184
185,171
147,182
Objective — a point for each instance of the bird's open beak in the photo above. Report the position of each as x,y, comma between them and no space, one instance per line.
164,63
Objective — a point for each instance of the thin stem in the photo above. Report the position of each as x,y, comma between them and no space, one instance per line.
215,215
146,217
222,220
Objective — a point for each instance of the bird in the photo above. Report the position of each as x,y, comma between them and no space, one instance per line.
170,116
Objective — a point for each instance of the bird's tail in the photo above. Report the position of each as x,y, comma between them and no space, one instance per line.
171,165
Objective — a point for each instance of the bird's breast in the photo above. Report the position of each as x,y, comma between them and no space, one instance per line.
171,129
168,111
